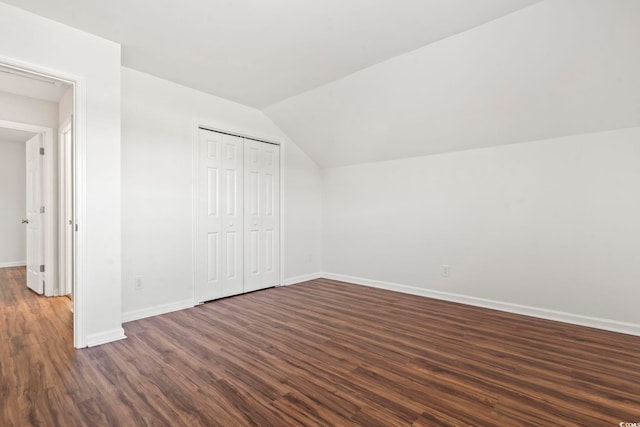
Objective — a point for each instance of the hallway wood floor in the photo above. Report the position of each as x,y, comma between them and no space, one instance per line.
320,353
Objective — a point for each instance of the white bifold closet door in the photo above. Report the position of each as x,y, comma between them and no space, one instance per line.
220,216
261,214
238,215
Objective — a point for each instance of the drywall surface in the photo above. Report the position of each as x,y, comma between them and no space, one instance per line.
13,251
32,40
157,200
549,224
302,215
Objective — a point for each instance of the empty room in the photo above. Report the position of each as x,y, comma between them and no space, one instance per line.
320,213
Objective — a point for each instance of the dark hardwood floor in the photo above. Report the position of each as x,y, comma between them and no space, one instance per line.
320,353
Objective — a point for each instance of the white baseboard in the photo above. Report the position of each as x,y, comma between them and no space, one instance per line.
13,264
156,310
576,319
303,278
105,337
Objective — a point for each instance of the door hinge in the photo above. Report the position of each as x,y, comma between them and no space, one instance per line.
41,209
42,268
42,151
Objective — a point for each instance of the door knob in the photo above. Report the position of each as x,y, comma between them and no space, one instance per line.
25,221
231,225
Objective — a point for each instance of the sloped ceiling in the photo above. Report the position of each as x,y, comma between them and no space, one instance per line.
358,81
557,68
258,52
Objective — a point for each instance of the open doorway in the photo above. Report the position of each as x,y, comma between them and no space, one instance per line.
37,152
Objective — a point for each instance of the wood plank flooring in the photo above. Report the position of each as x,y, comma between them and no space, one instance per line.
321,353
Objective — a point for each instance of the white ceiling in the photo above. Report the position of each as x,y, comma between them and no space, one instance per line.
557,68
33,86
12,135
259,52
361,80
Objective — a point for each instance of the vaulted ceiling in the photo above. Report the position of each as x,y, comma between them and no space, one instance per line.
354,81
258,52
557,68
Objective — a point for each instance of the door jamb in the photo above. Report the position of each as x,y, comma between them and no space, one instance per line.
63,251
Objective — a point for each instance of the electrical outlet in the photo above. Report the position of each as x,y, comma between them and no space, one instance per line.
310,258
446,271
137,283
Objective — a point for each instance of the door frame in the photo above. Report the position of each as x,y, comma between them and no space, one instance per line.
79,112
65,157
207,124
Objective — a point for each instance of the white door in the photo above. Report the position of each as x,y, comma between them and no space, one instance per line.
262,215
220,216
35,243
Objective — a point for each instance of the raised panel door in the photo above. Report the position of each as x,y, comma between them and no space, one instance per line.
219,267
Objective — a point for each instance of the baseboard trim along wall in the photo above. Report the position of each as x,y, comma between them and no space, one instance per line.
303,278
156,310
130,316
592,322
105,337
13,264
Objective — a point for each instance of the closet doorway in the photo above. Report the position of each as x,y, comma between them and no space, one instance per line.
237,215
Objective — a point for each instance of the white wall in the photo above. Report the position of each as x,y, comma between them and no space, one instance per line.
302,216
549,224
50,45
13,250
157,126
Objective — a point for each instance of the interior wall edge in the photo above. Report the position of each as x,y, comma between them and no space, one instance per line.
542,313
303,278
105,337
